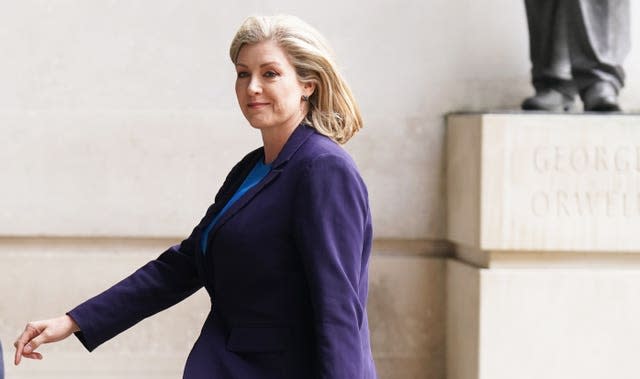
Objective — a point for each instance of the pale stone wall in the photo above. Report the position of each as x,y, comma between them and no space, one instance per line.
164,64
544,216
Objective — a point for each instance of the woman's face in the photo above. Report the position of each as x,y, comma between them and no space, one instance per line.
267,87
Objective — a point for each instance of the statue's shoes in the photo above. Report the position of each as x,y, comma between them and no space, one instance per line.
549,100
601,96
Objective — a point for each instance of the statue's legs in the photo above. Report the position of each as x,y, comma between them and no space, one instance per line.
549,51
577,45
548,46
599,40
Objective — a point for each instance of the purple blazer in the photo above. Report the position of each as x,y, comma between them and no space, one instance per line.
286,268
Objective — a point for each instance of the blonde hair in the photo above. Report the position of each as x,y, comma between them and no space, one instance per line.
332,109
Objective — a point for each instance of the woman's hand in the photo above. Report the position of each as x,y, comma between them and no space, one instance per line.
38,332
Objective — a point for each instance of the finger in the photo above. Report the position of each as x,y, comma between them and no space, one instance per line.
34,343
34,355
19,351
16,358
19,344
30,331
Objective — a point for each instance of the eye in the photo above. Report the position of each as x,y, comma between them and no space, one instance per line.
271,74
243,74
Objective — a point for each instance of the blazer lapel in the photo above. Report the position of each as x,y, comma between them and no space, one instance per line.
242,201
297,139
229,187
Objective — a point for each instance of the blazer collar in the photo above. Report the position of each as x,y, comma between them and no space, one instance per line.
297,139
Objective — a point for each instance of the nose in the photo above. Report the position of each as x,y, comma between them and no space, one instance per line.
255,87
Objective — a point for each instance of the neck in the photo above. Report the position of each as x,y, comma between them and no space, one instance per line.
274,139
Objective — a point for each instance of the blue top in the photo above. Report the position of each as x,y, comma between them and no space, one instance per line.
259,171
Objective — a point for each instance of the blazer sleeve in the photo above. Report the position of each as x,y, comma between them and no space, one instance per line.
157,285
333,233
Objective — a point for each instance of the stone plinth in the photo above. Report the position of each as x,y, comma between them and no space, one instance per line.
544,213
544,182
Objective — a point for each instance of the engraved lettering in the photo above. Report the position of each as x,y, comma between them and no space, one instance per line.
585,203
601,159
579,159
582,159
581,181
562,203
541,160
559,159
540,204
621,160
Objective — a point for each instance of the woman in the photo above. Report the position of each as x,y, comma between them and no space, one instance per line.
283,251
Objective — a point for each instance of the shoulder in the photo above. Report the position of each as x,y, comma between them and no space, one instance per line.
321,151
327,167
328,180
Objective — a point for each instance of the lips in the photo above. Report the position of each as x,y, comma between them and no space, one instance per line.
257,105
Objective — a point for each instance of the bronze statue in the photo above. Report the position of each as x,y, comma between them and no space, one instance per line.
577,47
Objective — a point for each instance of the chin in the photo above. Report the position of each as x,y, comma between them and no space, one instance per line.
259,124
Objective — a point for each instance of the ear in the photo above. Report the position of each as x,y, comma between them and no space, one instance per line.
308,88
